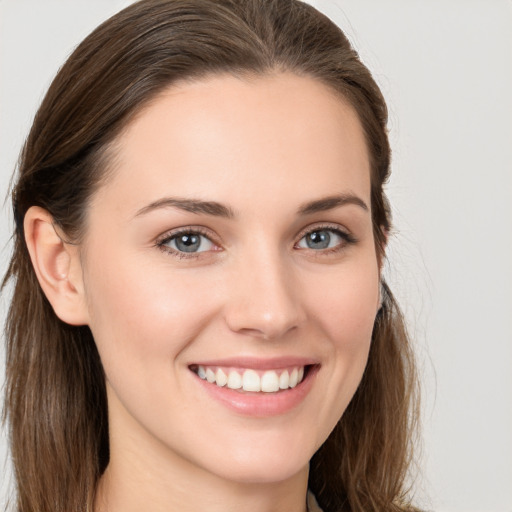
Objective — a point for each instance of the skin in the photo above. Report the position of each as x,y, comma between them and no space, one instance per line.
263,147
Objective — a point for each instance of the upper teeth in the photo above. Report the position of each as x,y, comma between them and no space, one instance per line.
250,380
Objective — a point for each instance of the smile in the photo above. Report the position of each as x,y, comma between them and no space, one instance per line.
257,387
252,380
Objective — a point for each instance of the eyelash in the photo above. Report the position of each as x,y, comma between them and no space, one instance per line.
347,239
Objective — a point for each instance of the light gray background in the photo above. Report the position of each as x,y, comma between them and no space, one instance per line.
445,67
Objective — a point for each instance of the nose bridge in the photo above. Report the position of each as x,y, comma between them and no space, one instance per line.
265,303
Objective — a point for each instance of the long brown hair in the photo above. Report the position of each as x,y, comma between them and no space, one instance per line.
55,403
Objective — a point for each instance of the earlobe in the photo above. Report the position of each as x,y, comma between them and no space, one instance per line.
57,267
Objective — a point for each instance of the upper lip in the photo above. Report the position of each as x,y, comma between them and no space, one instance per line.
259,363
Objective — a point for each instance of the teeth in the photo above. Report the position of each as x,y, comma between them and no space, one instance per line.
251,381
269,381
210,376
293,378
234,380
284,380
221,378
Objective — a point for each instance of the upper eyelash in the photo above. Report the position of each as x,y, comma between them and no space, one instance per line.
348,237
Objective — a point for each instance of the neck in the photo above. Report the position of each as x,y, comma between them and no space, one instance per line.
136,487
144,474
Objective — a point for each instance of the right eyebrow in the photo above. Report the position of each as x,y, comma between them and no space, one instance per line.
189,205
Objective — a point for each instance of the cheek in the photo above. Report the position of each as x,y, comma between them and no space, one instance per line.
346,305
345,312
144,312
143,318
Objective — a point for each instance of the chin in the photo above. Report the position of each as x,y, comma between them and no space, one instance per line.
264,462
262,472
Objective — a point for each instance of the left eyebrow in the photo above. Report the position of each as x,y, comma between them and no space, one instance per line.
331,202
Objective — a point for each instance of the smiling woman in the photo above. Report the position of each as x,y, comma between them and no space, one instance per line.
199,320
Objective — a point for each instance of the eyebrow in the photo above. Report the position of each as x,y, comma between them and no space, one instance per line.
331,202
189,205
219,210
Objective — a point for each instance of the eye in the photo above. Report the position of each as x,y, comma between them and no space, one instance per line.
187,242
324,238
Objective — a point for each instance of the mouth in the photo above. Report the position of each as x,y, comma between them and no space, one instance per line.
257,387
252,380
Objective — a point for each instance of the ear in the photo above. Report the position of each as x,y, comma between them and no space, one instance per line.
57,266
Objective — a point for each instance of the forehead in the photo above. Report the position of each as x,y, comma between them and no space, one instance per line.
239,138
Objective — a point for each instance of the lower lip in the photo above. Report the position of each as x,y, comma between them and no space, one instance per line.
261,404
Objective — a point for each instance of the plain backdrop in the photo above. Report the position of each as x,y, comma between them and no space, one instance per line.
445,67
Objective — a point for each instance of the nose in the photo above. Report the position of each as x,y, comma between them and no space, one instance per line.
265,300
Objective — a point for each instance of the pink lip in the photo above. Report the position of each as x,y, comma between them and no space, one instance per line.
260,404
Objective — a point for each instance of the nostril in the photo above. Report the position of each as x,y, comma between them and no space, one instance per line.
269,333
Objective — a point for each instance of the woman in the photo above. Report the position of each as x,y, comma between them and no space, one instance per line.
198,318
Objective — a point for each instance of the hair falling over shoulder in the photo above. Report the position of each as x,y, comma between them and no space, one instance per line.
55,403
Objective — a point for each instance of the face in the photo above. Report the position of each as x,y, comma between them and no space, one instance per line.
231,276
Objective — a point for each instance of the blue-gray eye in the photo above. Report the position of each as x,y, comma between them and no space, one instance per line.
320,239
189,242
